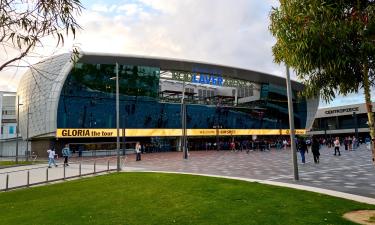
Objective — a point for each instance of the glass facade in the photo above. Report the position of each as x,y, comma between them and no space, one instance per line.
340,122
88,101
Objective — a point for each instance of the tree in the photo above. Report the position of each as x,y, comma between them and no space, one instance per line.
330,44
24,24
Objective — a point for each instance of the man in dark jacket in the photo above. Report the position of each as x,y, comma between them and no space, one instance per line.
302,148
315,146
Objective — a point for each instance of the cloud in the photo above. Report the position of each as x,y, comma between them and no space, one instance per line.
233,33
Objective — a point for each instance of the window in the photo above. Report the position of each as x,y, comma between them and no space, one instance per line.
11,130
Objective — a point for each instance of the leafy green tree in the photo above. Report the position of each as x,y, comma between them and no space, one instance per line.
24,24
330,44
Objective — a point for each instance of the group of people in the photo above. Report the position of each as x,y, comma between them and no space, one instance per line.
350,143
66,153
240,145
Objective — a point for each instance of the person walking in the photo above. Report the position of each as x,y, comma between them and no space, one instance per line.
138,151
302,148
346,143
315,146
285,143
66,153
51,157
337,146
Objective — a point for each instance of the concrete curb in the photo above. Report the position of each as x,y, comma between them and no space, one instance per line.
338,194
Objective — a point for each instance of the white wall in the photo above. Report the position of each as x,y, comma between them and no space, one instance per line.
8,147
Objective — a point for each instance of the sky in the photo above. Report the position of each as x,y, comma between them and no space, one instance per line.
233,33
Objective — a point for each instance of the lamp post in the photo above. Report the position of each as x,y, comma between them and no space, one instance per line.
117,119
183,123
18,124
291,124
27,134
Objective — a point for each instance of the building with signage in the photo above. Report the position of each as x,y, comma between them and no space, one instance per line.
75,102
341,121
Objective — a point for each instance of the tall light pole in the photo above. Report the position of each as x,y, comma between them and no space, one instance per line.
27,134
118,119
18,124
183,122
291,124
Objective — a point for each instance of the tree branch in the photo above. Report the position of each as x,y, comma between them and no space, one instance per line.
23,54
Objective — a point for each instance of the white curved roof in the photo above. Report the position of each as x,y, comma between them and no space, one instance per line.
39,89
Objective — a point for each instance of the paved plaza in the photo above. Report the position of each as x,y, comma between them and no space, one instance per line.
352,172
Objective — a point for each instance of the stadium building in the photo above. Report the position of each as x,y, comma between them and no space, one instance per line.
342,121
74,102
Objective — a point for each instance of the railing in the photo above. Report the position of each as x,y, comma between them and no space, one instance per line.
37,175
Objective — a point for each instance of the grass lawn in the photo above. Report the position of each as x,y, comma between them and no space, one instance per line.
154,198
13,163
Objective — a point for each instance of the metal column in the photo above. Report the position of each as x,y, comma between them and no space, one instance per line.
291,124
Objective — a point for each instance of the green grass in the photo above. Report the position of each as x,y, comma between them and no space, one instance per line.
154,198
13,163
372,219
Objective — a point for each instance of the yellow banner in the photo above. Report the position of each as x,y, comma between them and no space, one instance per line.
82,133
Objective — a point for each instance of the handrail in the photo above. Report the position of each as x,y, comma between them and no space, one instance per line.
45,166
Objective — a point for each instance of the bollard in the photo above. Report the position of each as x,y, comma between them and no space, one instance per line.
108,165
64,171
80,169
94,167
28,178
47,174
7,182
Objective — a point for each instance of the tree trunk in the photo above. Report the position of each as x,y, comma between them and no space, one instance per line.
370,114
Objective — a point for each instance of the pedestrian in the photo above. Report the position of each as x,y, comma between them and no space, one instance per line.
285,143
66,153
232,146
355,143
51,157
337,146
315,146
302,148
368,143
138,151
346,143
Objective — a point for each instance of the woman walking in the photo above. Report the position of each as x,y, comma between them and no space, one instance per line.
138,151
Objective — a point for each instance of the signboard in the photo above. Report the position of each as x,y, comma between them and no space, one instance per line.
207,79
345,110
89,133
210,77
